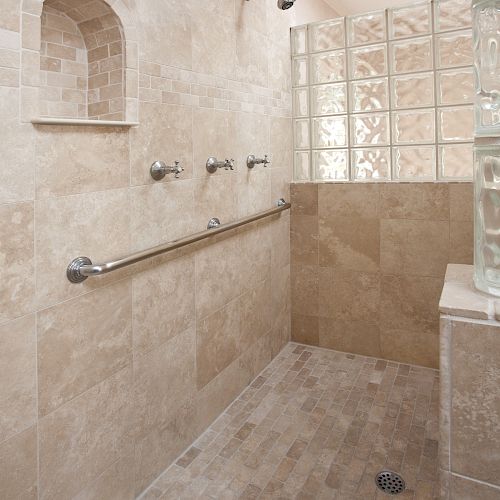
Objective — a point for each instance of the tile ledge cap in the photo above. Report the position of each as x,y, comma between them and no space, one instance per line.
88,123
461,298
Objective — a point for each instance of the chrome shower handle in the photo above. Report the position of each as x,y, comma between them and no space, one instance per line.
252,160
159,169
177,169
213,164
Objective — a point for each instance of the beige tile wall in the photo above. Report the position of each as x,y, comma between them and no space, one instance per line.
368,263
105,383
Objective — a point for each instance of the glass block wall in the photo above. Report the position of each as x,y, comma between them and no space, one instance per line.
385,95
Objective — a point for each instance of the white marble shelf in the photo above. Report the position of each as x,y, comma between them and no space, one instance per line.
80,122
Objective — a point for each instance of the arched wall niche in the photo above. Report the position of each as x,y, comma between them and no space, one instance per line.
79,62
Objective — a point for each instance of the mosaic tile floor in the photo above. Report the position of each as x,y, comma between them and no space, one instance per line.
316,424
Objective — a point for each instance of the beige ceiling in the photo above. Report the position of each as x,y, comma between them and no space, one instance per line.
347,7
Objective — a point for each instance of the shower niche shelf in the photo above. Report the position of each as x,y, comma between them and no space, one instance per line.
80,64
83,122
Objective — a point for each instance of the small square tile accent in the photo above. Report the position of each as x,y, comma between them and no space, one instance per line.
316,424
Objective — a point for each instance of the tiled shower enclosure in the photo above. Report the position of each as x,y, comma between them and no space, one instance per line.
385,95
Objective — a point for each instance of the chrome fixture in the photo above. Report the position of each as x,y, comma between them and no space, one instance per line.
213,223
285,4
159,169
213,164
81,268
390,482
252,160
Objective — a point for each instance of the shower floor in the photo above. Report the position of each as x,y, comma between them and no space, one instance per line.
316,424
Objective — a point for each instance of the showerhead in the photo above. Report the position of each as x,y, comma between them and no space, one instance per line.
285,4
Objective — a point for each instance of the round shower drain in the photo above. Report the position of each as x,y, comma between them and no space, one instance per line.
390,482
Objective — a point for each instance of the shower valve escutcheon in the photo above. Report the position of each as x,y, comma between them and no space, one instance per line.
213,164
159,169
252,160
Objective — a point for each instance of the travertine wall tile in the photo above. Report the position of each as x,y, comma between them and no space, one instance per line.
93,334
217,342
84,437
466,489
475,410
71,226
350,243
17,285
304,236
164,134
383,251
425,201
18,466
72,160
156,402
17,181
18,375
352,200
115,483
163,303
350,336
414,247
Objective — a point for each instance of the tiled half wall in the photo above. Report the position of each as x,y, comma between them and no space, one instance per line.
385,95
368,264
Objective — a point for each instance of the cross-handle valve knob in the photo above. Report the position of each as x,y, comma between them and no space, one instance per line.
213,164
252,160
159,169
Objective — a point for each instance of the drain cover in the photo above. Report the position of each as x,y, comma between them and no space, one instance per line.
390,482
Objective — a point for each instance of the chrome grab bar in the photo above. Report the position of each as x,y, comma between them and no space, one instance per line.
82,268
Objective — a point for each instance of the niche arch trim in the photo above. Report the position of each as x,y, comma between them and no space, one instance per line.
31,74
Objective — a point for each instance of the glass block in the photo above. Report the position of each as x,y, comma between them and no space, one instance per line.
370,129
410,21
301,166
327,36
414,162
455,86
371,164
415,126
452,14
487,64
330,132
369,95
301,129
454,49
366,28
299,40
487,217
456,161
329,99
300,102
456,124
329,67
331,165
413,91
368,61
299,72
411,55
